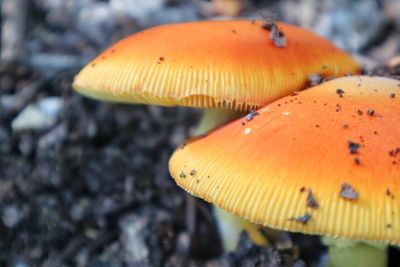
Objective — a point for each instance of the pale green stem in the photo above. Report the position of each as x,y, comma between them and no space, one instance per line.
229,225
213,118
345,253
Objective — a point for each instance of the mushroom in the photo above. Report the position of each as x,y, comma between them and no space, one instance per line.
221,66
310,163
225,67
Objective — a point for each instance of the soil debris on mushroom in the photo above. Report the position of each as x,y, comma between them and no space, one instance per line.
371,112
340,92
277,36
348,192
314,79
304,219
353,147
250,116
311,201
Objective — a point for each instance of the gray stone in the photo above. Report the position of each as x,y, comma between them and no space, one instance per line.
37,116
12,215
133,241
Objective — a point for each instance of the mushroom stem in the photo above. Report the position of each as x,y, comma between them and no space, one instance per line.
213,118
229,225
345,253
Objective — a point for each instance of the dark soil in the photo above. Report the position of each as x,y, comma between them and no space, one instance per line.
94,189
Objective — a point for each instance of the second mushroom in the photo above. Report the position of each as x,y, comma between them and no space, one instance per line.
319,162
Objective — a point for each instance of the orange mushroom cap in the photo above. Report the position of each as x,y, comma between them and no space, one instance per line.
226,64
325,161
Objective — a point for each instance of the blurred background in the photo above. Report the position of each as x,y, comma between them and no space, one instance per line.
84,183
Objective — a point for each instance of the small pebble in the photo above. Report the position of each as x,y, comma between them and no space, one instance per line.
12,216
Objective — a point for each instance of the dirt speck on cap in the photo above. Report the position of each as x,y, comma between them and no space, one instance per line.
394,152
389,193
348,192
353,147
340,92
314,79
302,219
311,201
251,115
371,112
182,174
277,36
